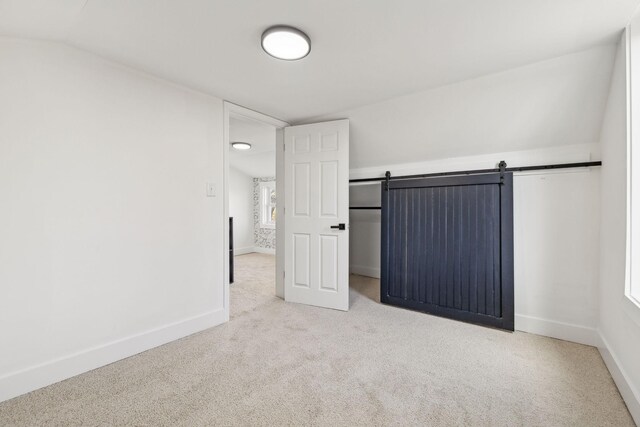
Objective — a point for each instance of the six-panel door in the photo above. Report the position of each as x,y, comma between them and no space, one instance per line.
317,199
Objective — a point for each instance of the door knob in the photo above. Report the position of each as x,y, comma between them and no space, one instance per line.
340,226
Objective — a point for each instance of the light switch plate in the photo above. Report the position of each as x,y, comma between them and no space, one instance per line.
211,189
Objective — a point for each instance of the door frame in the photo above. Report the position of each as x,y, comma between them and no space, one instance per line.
230,109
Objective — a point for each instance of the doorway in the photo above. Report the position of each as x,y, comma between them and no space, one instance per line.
309,212
251,189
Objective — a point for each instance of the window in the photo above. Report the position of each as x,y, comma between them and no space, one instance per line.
268,204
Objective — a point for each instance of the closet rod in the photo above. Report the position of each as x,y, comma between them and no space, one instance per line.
478,171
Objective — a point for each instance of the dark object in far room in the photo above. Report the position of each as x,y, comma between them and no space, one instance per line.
230,250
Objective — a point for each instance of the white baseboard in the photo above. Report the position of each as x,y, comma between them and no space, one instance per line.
260,250
365,271
628,392
560,330
243,251
16,383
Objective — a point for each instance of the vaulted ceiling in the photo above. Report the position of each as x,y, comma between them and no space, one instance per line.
363,51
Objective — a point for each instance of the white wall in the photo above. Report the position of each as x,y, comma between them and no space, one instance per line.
556,236
241,209
558,102
620,334
364,230
108,243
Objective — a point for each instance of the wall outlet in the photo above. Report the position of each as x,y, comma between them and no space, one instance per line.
211,189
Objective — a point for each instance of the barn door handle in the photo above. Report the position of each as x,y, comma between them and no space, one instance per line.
339,226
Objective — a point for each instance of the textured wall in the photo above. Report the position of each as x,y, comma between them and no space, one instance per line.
262,237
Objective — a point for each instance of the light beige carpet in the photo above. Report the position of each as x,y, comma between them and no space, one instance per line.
277,363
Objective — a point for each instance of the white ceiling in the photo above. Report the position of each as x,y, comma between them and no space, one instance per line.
260,161
363,51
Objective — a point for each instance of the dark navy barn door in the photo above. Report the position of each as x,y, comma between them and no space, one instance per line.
447,247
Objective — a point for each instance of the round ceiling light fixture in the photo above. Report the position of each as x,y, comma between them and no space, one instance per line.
241,145
287,43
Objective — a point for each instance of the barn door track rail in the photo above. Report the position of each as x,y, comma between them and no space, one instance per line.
502,168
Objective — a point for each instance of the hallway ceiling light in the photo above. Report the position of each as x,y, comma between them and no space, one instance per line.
284,42
241,145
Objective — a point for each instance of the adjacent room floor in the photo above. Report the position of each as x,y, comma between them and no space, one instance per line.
277,363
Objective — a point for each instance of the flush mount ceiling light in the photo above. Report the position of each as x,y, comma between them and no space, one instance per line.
284,42
241,145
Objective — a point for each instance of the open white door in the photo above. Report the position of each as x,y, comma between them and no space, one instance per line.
316,163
